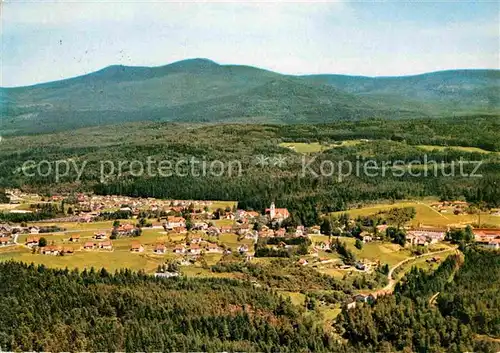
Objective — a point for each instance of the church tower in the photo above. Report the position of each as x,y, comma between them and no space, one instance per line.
272,211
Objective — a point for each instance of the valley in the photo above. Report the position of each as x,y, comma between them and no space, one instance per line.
259,176
328,271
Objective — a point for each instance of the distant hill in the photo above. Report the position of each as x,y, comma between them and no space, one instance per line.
200,90
478,89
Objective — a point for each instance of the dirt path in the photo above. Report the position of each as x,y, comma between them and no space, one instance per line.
389,288
433,298
487,338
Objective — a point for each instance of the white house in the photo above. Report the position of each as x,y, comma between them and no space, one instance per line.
160,249
106,245
175,222
213,248
179,249
243,248
194,249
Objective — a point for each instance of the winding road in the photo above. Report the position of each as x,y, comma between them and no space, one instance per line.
389,288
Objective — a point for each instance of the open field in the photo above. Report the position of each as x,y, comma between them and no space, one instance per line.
313,147
458,148
58,238
222,205
296,297
422,263
426,215
231,240
120,256
386,253
111,260
78,226
300,147
334,272
222,222
328,312
7,207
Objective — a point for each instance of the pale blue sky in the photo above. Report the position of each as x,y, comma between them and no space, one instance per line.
44,41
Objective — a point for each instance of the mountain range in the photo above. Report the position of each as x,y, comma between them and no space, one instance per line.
200,90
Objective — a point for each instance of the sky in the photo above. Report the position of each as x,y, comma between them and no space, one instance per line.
50,40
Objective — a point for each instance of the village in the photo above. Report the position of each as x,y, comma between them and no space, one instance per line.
193,238
192,228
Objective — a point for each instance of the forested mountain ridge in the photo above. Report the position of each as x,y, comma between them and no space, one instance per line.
472,87
200,90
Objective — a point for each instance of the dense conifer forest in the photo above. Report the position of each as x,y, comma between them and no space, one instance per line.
60,310
465,318
304,193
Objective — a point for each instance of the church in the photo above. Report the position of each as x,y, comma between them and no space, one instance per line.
277,214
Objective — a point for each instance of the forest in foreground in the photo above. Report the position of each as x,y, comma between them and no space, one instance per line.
60,310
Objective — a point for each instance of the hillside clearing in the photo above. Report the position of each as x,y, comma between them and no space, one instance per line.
426,215
314,147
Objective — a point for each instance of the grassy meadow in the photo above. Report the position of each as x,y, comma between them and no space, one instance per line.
314,147
386,253
426,215
457,148
120,256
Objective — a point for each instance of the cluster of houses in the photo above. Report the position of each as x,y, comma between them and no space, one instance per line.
422,236
360,298
102,245
425,236
8,233
90,206
242,226
97,203
455,207
299,231
197,246
56,250
200,217
487,237
34,241
9,230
